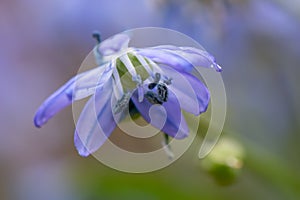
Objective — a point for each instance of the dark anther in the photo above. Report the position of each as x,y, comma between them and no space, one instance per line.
97,36
153,98
159,97
163,92
152,85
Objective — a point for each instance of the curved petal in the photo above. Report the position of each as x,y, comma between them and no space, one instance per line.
199,58
78,87
53,104
191,93
96,122
162,56
114,44
193,56
175,124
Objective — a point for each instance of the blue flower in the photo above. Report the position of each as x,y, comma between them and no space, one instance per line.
133,79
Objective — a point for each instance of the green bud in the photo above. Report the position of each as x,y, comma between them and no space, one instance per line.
225,161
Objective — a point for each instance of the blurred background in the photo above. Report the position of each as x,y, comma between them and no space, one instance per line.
257,42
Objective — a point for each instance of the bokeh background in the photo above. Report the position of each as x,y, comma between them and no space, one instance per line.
42,44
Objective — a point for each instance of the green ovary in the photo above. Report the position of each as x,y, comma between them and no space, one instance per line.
126,77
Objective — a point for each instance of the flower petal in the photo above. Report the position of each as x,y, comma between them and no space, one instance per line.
199,58
53,104
175,124
114,44
181,58
78,87
192,94
162,56
96,122
88,82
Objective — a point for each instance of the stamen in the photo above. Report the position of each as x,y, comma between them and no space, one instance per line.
163,92
140,92
122,103
97,36
137,79
152,85
139,85
156,80
97,53
155,66
118,89
125,59
153,98
157,77
168,81
142,60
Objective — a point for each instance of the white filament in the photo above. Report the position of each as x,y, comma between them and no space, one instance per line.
144,64
155,66
118,89
125,59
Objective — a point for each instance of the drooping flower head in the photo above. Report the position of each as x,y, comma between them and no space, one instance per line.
155,82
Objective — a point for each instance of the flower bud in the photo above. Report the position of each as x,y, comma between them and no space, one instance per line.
225,161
